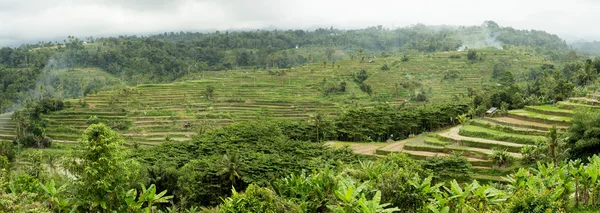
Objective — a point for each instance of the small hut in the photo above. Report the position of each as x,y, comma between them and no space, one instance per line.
491,110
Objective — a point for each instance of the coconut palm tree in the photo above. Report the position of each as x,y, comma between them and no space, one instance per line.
231,168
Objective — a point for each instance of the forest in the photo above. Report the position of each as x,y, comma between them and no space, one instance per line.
167,57
272,164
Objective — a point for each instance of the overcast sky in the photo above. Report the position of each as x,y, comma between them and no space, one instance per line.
31,20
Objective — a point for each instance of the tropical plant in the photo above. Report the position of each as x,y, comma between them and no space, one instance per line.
553,144
351,198
54,195
501,158
256,199
102,174
472,198
146,201
463,119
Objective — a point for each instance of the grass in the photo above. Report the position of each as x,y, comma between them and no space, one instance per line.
516,148
481,132
544,118
571,105
435,141
508,129
550,110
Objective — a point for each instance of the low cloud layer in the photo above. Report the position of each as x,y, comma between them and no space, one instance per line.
30,20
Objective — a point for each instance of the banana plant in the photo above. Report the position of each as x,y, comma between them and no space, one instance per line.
575,169
486,198
425,185
472,198
55,201
374,205
592,174
439,204
348,193
371,170
311,192
148,197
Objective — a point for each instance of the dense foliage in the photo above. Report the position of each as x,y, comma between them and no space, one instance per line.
583,138
384,122
169,56
255,165
30,126
234,156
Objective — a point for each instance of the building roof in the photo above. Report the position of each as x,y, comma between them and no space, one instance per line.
491,110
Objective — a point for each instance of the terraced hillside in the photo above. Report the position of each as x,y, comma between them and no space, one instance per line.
7,131
151,114
481,136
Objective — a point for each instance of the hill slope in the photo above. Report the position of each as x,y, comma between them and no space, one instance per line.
152,113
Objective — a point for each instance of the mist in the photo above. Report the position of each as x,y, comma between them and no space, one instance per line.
30,20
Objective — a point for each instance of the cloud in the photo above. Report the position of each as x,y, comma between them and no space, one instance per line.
26,20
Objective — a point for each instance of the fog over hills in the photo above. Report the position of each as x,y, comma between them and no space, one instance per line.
26,21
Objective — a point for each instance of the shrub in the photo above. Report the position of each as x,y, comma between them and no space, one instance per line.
7,150
385,67
534,154
501,158
366,88
473,55
256,199
93,120
361,76
120,124
334,89
463,119
451,74
421,97
277,72
534,203
446,168
405,58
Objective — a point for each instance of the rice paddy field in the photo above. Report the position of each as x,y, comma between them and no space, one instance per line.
477,139
150,114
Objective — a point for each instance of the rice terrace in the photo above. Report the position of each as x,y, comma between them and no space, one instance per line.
420,118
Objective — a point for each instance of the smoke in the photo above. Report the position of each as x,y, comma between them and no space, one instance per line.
47,83
479,37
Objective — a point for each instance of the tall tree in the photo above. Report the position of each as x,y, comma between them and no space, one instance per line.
101,173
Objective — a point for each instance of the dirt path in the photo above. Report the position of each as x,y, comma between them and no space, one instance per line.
359,148
369,149
453,134
399,146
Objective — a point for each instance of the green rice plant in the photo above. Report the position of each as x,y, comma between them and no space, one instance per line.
159,113
67,129
478,132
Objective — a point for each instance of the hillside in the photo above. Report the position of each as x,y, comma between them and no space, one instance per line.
478,138
152,113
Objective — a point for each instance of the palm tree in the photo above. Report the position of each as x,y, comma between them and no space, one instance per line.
231,168
317,119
